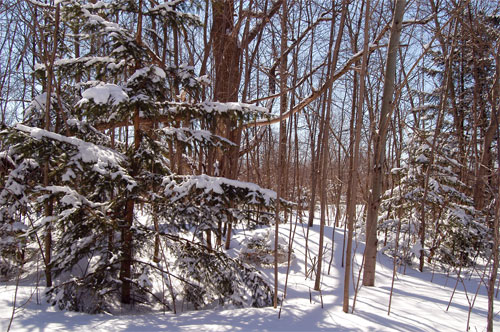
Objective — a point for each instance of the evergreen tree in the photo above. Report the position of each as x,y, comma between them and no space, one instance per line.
120,216
454,229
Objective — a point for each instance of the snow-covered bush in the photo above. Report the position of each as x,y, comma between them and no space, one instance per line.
259,249
212,277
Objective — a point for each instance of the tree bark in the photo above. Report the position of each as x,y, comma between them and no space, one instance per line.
126,225
46,180
227,51
494,271
379,146
126,259
491,131
323,160
354,160
282,142
496,224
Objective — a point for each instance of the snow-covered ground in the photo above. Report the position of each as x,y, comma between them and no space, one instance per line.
417,304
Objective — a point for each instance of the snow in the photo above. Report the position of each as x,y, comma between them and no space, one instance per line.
143,72
4,156
166,6
105,93
221,108
417,303
71,197
224,107
188,135
211,184
422,159
101,157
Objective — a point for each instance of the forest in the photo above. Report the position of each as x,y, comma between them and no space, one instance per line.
143,140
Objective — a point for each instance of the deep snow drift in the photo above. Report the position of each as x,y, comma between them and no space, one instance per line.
417,304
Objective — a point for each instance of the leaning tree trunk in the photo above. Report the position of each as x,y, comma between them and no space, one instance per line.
379,149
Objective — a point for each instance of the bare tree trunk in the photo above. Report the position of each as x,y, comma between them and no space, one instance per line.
332,63
126,263
227,78
227,51
491,131
126,230
46,180
314,177
379,149
493,276
354,160
282,141
496,224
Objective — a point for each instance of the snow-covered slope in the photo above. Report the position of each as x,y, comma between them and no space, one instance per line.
417,304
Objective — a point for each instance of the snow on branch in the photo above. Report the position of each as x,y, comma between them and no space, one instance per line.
187,135
102,158
86,61
218,108
168,9
70,196
104,93
181,186
184,110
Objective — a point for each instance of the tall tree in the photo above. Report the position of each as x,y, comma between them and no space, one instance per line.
379,146
354,158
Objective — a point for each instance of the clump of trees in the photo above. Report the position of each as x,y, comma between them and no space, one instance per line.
137,134
101,174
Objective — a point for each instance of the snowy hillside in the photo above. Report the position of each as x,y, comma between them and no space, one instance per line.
417,304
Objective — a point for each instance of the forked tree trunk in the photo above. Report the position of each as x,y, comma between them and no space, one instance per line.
227,51
379,149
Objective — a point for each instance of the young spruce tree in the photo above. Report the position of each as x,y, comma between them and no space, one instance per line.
124,120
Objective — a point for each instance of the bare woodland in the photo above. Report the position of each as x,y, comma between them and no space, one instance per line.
380,118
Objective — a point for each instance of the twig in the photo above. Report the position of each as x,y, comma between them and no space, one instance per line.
15,299
394,268
455,288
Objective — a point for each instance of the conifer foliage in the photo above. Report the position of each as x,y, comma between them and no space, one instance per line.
455,233
95,191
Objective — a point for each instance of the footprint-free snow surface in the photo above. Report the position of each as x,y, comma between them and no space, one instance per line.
419,301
